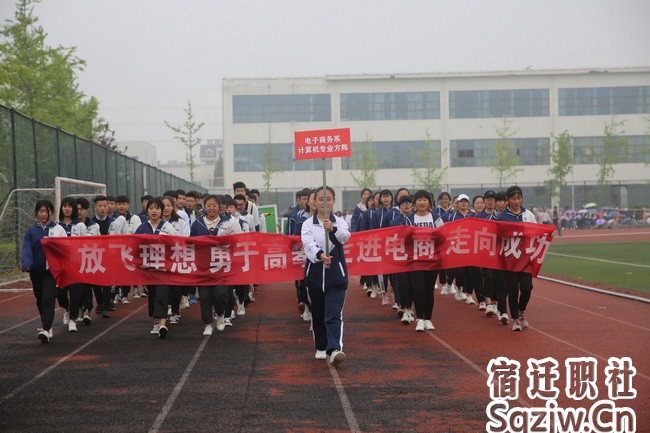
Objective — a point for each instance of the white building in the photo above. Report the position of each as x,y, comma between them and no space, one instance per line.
143,151
208,168
459,113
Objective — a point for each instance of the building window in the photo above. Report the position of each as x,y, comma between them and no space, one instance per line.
604,100
393,154
477,104
480,153
281,108
586,150
390,106
254,157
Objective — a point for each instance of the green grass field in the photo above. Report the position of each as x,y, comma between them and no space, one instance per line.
608,263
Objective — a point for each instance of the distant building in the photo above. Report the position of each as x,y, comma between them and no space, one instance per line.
143,151
458,113
208,171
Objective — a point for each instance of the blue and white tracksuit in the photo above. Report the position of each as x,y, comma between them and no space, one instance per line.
326,286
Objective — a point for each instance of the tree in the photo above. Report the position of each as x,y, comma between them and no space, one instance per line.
431,176
187,133
270,168
41,81
561,161
365,160
506,162
611,150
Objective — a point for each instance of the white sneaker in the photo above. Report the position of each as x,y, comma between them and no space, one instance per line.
419,327
125,300
227,321
173,320
395,306
207,330
43,335
405,319
72,326
482,306
445,289
156,329
232,315
86,318
373,293
365,287
429,325
185,302
516,325
136,293
460,295
250,295
469,299
169,311
385,300
241,310
504,318
306,316
221,324
320,354
453,289
337,357
490,310
411,316
66,318
435,286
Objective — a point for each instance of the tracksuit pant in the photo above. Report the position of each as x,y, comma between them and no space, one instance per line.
423,284
520,286
213,297
158,301
45,292
327,317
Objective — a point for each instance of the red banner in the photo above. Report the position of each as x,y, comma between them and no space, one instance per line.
249,258
323,143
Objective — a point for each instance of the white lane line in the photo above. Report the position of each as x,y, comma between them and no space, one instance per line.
15,297
177,389
345,402
591,312
468,361
599,260
19,325
601,235
43,373
595,355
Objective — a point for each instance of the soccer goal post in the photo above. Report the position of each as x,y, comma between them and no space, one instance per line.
68,187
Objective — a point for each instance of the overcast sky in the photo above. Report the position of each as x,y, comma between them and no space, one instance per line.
147,58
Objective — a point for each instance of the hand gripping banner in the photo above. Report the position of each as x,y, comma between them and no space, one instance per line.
250,258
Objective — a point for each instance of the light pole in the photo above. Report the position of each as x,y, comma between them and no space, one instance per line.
573,195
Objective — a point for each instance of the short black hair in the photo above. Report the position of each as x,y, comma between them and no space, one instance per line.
423,194
110,198
83,202
171,193
303,193
180,192
501,196
514,190
100,198
43,203
122,199
145,197
238,185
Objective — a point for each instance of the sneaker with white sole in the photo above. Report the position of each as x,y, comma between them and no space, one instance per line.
395,306
516,325
221,324
490,310
163,331
227,321
385,300
504,319
337,357
66,317
208,329
86,318
445,289
429,325
241,310
320,354
435,286
419,327
306,316
185,302
156,329
125,300
175,319
482,306
405,319
373,292
522,319
460,295
136,293
43,335
72,326
470,299
453,289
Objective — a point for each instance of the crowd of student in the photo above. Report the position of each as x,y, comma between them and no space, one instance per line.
320,295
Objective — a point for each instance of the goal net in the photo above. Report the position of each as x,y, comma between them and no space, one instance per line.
17,216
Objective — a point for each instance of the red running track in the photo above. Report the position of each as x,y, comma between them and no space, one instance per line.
260,375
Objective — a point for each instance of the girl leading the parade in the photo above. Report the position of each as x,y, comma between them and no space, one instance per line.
33,261
326,275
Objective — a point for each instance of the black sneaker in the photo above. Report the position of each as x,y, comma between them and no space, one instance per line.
163,332
105,315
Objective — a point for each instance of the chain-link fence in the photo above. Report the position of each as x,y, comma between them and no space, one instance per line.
32,154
